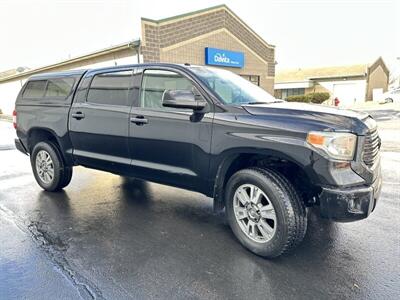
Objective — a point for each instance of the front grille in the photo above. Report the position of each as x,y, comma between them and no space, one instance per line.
372,144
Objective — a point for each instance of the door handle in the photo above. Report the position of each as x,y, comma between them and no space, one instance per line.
78,115
139,120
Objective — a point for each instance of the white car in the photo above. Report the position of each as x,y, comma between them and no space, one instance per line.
392,96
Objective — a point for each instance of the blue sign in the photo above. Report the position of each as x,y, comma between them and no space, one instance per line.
221,57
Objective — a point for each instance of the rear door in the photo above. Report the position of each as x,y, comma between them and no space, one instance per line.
99,120
169,145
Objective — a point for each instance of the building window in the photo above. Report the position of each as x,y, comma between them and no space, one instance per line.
292,92
252,78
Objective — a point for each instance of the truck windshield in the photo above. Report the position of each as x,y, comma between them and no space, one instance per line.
231,89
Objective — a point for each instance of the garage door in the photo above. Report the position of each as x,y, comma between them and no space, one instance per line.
349,93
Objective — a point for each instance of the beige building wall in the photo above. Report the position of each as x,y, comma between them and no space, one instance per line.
378,78
193,52
10,89
120,57
184,38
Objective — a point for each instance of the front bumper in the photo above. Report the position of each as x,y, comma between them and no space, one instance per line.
352,204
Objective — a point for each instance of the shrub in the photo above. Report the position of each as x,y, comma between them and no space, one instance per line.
1,112
313,98
318,97
298,98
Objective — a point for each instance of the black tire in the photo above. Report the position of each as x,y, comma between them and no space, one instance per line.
67,177
62,174
291,217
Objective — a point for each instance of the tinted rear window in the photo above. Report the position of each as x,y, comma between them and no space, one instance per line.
35,89
59,87
51,88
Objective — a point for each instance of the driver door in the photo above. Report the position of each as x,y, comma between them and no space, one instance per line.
168,145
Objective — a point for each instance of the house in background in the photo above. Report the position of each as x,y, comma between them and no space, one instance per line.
354,83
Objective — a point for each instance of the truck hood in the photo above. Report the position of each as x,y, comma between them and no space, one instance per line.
320,116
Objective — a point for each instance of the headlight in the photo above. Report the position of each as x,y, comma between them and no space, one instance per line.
337,145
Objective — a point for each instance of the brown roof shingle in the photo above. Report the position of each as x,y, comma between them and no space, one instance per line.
294,75
8,73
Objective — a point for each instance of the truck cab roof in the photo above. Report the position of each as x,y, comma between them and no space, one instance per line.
58,74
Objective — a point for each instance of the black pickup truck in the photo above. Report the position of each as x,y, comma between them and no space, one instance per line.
208,130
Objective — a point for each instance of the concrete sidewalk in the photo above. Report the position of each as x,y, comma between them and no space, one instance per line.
7,135
370,105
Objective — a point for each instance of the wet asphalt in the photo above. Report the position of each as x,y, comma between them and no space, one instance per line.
108,237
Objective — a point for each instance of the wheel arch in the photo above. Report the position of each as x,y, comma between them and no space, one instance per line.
247,158
40,134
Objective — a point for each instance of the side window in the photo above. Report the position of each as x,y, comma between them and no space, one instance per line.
111,88
34,89
59,87
81,92
155,82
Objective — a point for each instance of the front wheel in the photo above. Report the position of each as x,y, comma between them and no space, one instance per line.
265,212
48,167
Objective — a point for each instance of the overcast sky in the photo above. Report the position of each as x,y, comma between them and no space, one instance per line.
306,32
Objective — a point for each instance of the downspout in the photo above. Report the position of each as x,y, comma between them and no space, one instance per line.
138,54
136,47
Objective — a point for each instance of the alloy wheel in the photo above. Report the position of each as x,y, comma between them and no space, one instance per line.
44,166
254,213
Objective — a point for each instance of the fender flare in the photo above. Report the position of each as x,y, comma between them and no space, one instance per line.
63,143
229,158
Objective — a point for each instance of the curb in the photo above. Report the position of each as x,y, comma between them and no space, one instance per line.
7,147
6,118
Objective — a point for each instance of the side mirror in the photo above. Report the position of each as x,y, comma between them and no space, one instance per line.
182,99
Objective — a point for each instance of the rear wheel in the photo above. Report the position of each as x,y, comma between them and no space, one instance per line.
265,212
48,167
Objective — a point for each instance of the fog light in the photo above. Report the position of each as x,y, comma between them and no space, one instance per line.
350,204
354,205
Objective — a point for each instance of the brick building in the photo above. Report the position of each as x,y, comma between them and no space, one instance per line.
184,38
213,36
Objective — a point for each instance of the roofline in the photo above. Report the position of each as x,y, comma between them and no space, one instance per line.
110,68
134,44
380,58
338,76
195,12
295,81
58,74
323,77
192,13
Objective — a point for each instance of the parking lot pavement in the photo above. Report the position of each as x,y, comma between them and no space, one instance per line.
115,238
24,267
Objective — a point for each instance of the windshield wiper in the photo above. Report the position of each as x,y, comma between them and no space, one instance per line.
255,102
260,102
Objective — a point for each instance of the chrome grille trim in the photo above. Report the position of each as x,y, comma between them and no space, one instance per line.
372,144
